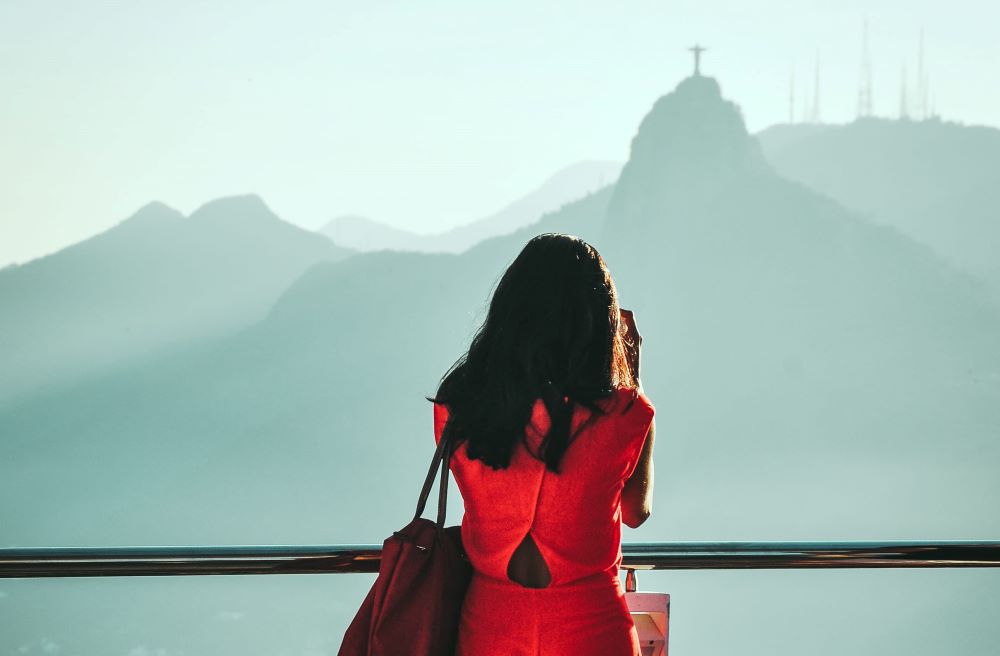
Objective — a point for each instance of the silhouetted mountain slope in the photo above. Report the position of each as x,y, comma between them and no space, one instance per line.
787,328
338,367
364,234
779,329
939,182
156,280
568,184
691,143
815,377
783,135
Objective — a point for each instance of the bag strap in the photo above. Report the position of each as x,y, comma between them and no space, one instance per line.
443,484
444,449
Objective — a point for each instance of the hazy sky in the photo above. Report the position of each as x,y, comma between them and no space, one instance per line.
424,114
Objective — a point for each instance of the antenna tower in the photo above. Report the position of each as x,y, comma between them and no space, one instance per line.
865,85
923,92
815,108
904,106
791,95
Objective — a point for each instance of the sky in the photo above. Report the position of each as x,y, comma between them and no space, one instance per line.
421,115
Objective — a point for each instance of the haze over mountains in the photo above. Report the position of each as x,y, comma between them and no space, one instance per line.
566,185
937,181
816,376
157,280
793,336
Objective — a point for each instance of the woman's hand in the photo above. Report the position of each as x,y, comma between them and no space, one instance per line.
632,339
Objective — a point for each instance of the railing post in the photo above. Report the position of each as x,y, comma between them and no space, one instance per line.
630,579
651,616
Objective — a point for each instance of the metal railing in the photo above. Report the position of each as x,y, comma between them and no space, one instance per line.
331,559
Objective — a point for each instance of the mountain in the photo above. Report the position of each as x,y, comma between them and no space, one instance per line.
365,235
568,184
935,180
774,305
155,281
816,377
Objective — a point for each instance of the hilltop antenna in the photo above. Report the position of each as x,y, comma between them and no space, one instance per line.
865,85
804,114
922,80
791,95
697,50
928,99
920,102
904,111
815,108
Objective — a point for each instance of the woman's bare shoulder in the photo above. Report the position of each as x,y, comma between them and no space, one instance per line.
633,400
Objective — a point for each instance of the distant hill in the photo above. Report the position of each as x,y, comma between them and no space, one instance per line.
937,181
781,331
789,328
338,366
366,235
815,377
157,280
568,184
784,135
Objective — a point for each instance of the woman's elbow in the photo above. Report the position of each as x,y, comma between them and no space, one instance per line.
635,518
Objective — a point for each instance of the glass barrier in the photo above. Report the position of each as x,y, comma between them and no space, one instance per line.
765,612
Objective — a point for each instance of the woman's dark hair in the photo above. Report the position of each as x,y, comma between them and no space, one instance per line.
553,331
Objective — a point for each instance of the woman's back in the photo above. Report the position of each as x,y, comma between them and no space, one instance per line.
543,534
574,516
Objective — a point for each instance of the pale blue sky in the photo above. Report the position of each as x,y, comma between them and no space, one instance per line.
423,114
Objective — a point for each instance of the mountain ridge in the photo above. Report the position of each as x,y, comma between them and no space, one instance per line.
151,281
934,180
566,185
812,373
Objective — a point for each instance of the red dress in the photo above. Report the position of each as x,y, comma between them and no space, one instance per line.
574,518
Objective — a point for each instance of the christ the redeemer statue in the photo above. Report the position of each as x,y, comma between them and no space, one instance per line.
697,50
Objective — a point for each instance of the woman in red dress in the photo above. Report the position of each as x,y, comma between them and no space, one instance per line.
554,441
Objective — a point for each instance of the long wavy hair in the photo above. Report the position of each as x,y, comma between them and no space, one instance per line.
553,331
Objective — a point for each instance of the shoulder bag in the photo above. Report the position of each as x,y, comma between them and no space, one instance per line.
414,605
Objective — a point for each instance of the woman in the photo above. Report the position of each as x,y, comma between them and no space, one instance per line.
553,450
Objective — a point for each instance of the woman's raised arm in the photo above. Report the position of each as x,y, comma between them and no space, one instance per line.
637,494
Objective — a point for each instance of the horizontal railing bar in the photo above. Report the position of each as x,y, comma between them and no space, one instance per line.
331,559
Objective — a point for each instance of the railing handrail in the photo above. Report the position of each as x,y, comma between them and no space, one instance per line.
37,562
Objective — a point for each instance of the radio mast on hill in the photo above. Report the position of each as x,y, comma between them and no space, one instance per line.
904,102
865,83
791,95
815,117
923,102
